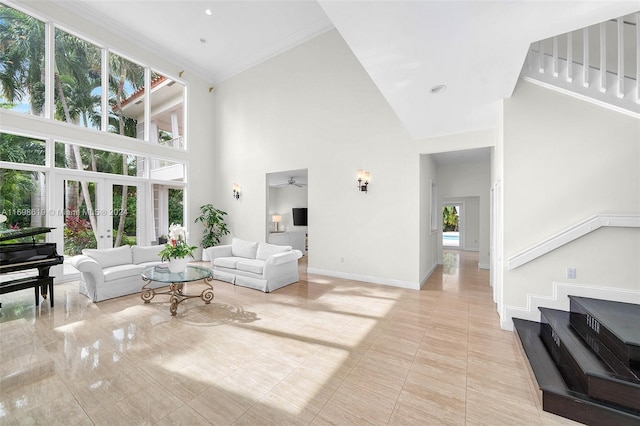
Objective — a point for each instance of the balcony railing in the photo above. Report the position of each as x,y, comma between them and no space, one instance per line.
600,63
175,142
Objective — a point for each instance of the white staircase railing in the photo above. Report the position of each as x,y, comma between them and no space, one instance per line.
570,234
600,63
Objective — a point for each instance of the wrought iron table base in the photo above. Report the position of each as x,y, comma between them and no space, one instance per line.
176,293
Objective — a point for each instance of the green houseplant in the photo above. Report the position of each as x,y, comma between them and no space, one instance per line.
212,220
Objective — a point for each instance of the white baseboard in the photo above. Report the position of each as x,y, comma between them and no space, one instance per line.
369,279
428,274
560,300
484,266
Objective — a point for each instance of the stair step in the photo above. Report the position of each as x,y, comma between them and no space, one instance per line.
557,398
615,325
582,369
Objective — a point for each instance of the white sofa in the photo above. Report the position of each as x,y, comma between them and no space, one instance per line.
115,272
260,266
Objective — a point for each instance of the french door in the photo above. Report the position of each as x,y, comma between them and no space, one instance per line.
96,212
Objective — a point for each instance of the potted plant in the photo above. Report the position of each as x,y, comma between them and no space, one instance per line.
212,220
177,250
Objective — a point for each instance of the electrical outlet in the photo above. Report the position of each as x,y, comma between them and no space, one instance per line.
342,260
571,273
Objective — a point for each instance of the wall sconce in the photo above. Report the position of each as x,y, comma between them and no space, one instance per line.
363,180
236,191
276,218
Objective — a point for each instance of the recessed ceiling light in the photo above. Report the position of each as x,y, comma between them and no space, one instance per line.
203,40
208,12
438,88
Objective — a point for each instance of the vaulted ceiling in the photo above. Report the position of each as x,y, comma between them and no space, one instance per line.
474,48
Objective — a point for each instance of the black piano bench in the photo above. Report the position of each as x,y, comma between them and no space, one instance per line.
35,282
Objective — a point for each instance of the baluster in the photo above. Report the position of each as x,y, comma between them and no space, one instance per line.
620,58
638,57
570,57
603,57
540,57
585,57
554,64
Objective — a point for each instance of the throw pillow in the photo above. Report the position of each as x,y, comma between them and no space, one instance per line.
242,248
110,257
265,250
143,254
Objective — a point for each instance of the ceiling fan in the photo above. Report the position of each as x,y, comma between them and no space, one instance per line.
292,181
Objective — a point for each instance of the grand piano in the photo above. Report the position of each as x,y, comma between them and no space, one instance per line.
23,256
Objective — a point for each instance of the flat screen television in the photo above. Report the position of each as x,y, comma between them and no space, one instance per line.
299,216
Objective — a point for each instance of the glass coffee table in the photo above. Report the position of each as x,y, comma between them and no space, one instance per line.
175,283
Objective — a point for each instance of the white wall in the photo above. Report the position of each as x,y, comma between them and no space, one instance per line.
564,161
428,236
315,108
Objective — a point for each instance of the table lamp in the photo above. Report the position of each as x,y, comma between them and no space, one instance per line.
276,218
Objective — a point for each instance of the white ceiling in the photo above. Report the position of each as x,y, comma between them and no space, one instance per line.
475,48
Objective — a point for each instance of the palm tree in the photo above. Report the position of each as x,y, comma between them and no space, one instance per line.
21,71
133,75
70,71
22,58
21,190
449,218
76,75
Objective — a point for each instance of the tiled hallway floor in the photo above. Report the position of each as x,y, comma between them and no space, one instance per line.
321,351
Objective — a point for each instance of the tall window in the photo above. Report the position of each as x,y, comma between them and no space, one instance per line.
22,198
95,160
168,196
21,149
126,97
77,80
80,81
22,41
22,191
168,208
167,115
93,87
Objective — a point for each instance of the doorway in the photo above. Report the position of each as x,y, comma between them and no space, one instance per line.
95,213
452,220
286,209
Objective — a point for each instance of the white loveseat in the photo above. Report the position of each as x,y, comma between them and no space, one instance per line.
260,266
114,272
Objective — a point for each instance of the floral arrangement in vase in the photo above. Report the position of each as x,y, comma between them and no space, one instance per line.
177,250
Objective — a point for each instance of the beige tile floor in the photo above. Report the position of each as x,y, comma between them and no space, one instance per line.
321,351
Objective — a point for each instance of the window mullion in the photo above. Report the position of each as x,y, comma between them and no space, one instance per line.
105,90
147,104
49,53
